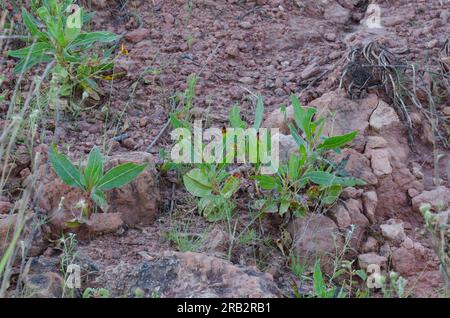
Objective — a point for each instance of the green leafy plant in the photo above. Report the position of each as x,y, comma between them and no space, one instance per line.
213,183
183,241
92,179
214,186
321,290
96,293
57,33
308,179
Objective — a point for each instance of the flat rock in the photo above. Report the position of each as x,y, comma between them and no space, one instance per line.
187,275
380,163
364,260
383,116
315,237
439,198
393,230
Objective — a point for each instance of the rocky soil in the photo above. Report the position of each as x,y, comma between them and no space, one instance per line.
238,49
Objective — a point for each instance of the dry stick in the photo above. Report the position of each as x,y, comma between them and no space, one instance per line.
166,125
15,37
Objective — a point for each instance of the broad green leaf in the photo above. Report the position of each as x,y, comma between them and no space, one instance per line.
35,50
31,25
94,168
230,187
259,113
102,67
56,30
215,208
73,58
99,198
73,224
85,39
285,203
303,118
299,112
235,118
27,63
70,34
337,141
320,288
51,5
68,173
331,194
298,139
44,14
197,183
323,178
294,166
361,274
308,124
303,155
120,175
175,122
266,182
320,125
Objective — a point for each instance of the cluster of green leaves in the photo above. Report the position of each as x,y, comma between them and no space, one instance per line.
183,241
58,37
236,120
212,183
307,179
96,293
92,179
215,187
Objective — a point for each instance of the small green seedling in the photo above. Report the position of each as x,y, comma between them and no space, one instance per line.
92,179
58,37
96,293
182,118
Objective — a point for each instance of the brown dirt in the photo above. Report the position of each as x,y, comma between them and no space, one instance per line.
241,48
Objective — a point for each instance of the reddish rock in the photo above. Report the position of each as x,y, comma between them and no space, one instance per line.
138,35
5,207
347,115
315,237
407,261
370,202
370,245
358,165
380,163
383,117
439,198
137,202
393,230
47,285
358,219
187,275
364,260
341,216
